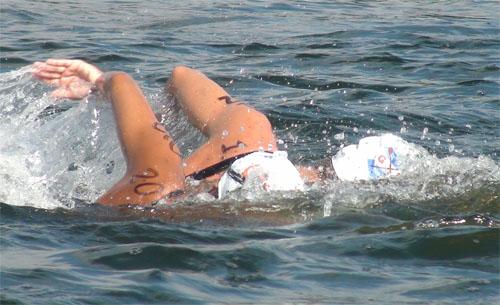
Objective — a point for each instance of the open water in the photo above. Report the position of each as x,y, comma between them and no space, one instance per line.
327,73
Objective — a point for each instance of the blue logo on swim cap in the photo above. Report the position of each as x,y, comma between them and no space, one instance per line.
379,167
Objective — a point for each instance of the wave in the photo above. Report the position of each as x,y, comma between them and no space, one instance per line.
303,83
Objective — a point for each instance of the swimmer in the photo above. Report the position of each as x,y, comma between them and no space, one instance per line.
155,167
240,148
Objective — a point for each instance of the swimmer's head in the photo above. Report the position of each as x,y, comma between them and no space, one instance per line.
261,171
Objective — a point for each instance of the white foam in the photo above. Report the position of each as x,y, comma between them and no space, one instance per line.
37,149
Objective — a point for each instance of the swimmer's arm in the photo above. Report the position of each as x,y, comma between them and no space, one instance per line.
135,119
152,158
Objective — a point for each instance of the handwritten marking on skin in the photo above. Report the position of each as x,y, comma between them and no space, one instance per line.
230,100
159,127
174,149
138,191
227,99
225,148
148,173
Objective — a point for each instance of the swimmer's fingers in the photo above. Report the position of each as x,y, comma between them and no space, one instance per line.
41,66
46,75
69,66
63,62
77,67
56,68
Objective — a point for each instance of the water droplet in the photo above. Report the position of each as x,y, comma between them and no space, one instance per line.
428,224
225,133
437,142
339,136
242,129
261,149
469,126
327,209
127,198
451,148
401,118
355,129
424,133
281,142
241,145
135,251
403,130
323,131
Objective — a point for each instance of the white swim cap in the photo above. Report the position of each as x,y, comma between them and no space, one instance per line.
261,171
373,158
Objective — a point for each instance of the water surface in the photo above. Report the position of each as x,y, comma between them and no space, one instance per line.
327,74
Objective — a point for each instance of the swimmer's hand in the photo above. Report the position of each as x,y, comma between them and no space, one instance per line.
74,79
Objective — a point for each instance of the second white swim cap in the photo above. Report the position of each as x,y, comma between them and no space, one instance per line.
372,158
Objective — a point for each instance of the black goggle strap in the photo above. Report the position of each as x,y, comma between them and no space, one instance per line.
235,176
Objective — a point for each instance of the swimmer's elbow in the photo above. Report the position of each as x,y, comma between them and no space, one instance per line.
116,76
116,81
179,71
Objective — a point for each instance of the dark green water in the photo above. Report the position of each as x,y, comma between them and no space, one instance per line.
327,73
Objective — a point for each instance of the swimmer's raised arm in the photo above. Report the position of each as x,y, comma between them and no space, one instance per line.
153,161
